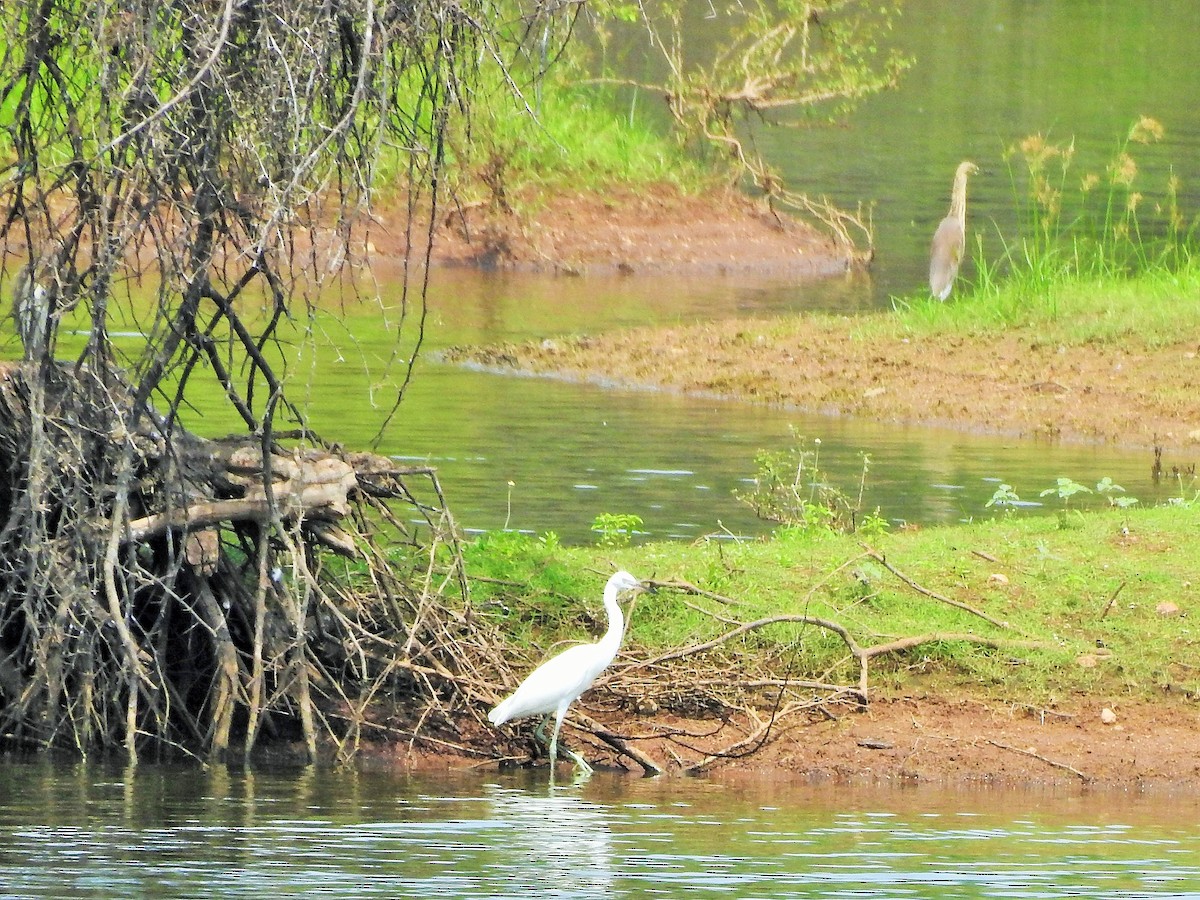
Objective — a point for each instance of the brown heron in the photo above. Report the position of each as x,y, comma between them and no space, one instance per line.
950,236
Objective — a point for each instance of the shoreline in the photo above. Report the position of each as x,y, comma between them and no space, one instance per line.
1008,386
911,742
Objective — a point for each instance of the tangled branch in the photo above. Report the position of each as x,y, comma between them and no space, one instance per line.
752,693
196,178
786,64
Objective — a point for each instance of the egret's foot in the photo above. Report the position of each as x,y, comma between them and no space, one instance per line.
579,776
581,764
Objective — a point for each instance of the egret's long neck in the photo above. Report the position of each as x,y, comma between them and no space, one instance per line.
616,622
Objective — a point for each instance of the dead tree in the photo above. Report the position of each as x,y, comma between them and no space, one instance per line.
198,173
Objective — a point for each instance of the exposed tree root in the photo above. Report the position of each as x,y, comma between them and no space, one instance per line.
193,599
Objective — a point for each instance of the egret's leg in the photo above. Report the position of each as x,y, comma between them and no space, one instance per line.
539,733
558,720
580,762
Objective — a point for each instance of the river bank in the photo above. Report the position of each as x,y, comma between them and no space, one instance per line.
907,740
652,231
1019,382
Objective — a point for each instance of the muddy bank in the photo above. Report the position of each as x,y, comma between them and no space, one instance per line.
921,739
654,231
1012,385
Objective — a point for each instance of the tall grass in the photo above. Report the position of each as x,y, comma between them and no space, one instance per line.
1098,224
584,137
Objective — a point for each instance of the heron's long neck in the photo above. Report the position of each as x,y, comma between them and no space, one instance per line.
958,198
616,623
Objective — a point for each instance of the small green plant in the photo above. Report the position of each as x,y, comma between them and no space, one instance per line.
1065,489
616,529
791,489
1109,489
1004,496
873,525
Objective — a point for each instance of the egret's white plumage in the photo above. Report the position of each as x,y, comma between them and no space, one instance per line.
554,685
946,251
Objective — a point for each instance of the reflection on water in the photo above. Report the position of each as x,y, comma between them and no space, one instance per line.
556,844
88,831
573,452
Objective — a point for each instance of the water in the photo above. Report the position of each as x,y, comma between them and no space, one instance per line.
988,74
91,831
544,455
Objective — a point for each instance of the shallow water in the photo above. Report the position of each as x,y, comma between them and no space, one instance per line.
90,831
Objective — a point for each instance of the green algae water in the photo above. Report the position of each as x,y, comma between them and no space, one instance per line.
548,456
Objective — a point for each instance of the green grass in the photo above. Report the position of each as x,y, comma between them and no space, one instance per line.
1060,582
578,137
1151,308
581,137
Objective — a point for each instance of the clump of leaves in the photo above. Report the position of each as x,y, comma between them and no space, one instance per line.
1065,489
1109,489
616,529
790,488
1004,496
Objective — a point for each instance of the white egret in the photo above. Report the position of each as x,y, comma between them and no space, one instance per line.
950,237
557,683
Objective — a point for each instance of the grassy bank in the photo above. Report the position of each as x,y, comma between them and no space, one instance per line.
1144,310
1026,610
1101,256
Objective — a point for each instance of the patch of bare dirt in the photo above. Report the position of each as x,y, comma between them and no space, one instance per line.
656,231
932,739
